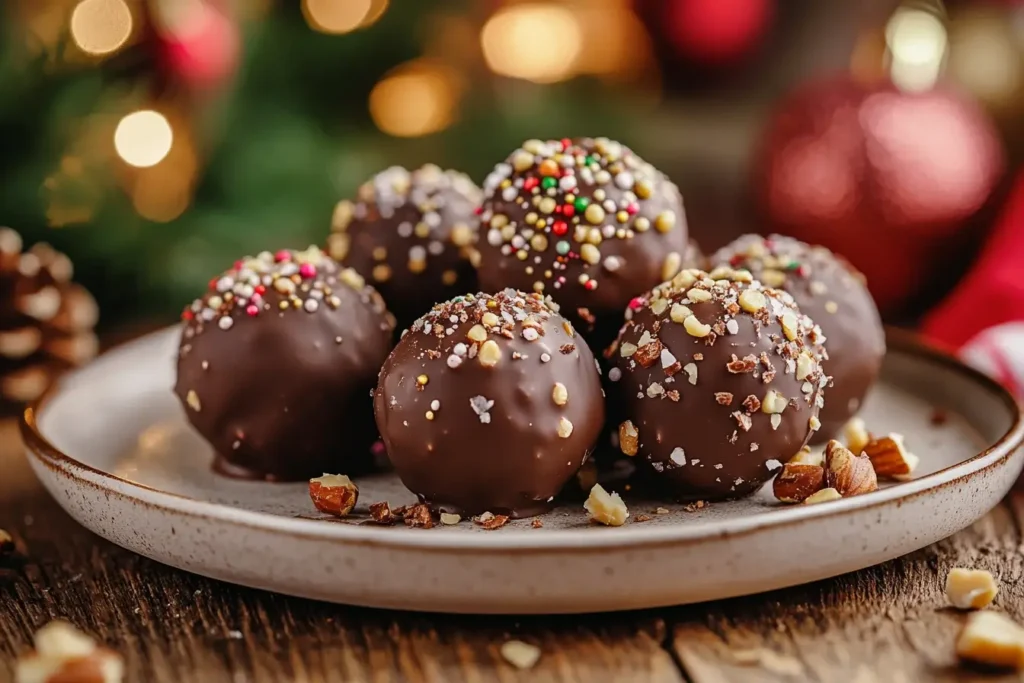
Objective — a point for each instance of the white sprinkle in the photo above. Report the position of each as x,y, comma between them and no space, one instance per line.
310,305
732,327
454,361
481,406
772,464
776,420
460,349
530,334
691,373
225,322
545,357
614,374
678,456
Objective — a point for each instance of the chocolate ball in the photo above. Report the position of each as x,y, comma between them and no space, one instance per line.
489,403
721,380
412,235
276,364
834,295
585,221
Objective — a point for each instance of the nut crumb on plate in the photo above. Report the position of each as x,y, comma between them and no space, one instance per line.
970,588
606,508
796,482
491,521
993,639
450,519
418,516
381,513
334,494
807,457
849,474
856,434
890,457
823,496
519,654
65,654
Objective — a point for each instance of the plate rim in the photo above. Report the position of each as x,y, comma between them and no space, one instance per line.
522,540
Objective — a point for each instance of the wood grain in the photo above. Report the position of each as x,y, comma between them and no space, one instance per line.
888,624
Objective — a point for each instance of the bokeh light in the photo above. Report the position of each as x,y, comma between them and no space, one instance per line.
143,138
376,11
535,42
339,16
163,192
626,50
100,27
984,56
416,98
917,44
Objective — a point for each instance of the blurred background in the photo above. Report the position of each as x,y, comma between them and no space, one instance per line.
155,141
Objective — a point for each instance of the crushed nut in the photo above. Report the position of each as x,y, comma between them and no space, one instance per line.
519,654
63,653
334,494
993,639
970,588
661,511
629,438
642,518
723,398
696,328
751,300
381,513
606,508
450,518
477,333
537,523
418,516
559,394
890,457
856,435
679,313
489,354
822,496
797,482
774,403
564,428
491,521
805,457
849,474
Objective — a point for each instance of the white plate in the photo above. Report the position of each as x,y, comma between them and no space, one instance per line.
112,446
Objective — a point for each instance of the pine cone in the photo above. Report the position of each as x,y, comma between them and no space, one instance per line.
46,320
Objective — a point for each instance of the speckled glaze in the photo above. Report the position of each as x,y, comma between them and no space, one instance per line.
112,447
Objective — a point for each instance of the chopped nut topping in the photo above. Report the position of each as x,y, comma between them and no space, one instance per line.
752,403
450,518
797,482
751,300
647,354
724,398
805,457
537,523
559,394
606,508
691,373
856,435
334,494
418,516
890,457
743,420
822,496
629,438
741,365
849,474
970,588
774,403
490,521
993,639
642,518
490,354
626,349
477,333
698,295
520,655
696,328
381,513
679,313
564,428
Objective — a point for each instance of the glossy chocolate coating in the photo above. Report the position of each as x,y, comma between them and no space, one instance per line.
687,395
834,295
587,222
412,235
276,364
489,404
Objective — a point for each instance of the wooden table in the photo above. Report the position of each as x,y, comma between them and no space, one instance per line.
885,624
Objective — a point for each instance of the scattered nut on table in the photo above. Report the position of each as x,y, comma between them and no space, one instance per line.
519,654
334,494
992,639
970,588
606,508
63,654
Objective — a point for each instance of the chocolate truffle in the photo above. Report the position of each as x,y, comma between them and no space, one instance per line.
489,404
834,295
721,380
585,221
276,364
412,235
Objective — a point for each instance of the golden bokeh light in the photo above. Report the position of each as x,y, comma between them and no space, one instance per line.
100,27
143,138
917,46
163,192
984,56
417,98
376,11
535,42
339,16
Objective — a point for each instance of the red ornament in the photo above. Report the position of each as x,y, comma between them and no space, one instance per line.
199,42
885,178
560,228
716,30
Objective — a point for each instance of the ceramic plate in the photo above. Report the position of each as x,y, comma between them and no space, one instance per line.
112,446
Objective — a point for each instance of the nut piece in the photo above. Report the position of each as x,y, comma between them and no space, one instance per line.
796,482
381,513
992,638
807,457
822,496
848,474
450,518
970,588
491,521
890,457
856,434
63,653
334,494
418,516
606,508
519,654
629,438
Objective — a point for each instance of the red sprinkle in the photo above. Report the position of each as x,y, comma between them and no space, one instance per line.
187,315
478,210
260,289
252,310
307,270
632,208
282,256
590,285
566,143
530,183
569,210
637,303
560,227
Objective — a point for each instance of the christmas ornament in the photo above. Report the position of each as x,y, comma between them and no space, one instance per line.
46,320
886,178
716,31
198,41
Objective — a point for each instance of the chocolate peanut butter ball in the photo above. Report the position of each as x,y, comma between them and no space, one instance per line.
721,380
834,295
489,403
412,235
276,364
585,221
